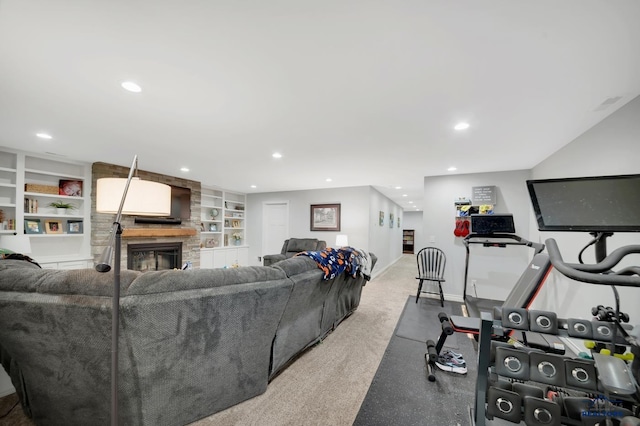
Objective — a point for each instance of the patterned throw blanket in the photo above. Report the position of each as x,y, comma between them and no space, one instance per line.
333,262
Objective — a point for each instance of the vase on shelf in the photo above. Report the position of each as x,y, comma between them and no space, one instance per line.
61,211
237,242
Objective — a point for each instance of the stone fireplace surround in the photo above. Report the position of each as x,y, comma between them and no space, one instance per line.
101,223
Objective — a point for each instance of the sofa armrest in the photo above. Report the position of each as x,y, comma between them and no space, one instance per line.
270,259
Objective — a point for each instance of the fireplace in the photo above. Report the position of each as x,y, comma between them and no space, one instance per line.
154,257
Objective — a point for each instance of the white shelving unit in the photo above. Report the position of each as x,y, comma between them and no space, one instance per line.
27,183
223,218
8,179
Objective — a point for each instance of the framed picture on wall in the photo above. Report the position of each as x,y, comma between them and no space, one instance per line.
325,217
381,218
390,220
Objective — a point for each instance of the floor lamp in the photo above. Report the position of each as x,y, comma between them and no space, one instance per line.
130,196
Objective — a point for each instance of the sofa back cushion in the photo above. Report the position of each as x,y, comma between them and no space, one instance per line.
296,245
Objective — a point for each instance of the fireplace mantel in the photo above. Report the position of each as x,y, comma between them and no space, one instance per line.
156,232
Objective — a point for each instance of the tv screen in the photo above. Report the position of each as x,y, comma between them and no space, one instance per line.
591,204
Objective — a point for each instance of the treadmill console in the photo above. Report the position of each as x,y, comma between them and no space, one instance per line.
488,224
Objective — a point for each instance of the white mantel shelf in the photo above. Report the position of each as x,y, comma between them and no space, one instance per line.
154,233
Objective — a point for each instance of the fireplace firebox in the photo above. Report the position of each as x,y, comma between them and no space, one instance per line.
154,257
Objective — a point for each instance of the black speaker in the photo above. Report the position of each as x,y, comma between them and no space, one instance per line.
515,318
580,373
543,322
546,368
511,362
540,412
579,328
602,330
504,404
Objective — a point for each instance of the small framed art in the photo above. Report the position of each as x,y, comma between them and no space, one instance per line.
325,217
32,226
53,227
75,227
71,188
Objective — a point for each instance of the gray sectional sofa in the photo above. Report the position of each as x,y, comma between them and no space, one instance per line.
192,343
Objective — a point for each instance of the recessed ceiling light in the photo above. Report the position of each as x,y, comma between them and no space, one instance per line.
131,86
410,202
398,187
329,179
452,169
461,126
276,155
405,195
253,186
44,136
184,169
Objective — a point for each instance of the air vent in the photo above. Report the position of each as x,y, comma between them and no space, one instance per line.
607,103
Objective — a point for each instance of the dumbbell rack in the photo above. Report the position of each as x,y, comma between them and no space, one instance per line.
606,375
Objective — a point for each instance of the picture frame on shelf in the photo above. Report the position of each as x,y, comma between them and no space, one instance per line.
75,227
325,217
235,224
32,226
53,227
70,188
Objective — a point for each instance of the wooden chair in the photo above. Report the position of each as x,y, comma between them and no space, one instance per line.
431,263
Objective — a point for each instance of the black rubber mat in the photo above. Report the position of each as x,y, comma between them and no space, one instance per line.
401,394
419,321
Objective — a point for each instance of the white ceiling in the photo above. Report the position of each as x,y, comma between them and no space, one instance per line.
363,92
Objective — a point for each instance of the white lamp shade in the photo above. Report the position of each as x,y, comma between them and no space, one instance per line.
16,243
144,198
342,240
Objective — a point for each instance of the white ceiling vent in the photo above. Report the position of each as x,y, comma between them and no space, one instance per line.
607,103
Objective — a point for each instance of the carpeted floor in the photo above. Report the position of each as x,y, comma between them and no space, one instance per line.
400,392
328,384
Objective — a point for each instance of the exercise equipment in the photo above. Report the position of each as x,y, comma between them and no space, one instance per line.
476,305
601,391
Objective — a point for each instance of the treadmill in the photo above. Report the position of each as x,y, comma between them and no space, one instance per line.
496,230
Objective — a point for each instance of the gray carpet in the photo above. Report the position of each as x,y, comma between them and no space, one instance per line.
401,394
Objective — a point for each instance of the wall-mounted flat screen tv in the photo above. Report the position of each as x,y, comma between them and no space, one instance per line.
591,204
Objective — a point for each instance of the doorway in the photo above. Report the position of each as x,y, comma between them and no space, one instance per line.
275,226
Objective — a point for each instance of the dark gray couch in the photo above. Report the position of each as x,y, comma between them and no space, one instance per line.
192,343
293,246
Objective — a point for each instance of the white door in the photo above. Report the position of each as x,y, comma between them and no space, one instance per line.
275,226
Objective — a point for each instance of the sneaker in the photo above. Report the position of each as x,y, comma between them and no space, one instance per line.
451,364
449,352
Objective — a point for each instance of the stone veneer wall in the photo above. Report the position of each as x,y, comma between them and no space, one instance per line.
101,223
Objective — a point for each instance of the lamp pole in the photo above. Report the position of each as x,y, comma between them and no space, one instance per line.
104,265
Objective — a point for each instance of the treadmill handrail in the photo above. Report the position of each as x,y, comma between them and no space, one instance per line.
595,273
518,240
538,247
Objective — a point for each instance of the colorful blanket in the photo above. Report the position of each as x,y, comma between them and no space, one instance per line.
333,262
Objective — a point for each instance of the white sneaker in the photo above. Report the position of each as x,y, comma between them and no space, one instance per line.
451,364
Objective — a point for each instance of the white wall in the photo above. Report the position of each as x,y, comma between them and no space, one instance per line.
495,269
609,148
359,220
